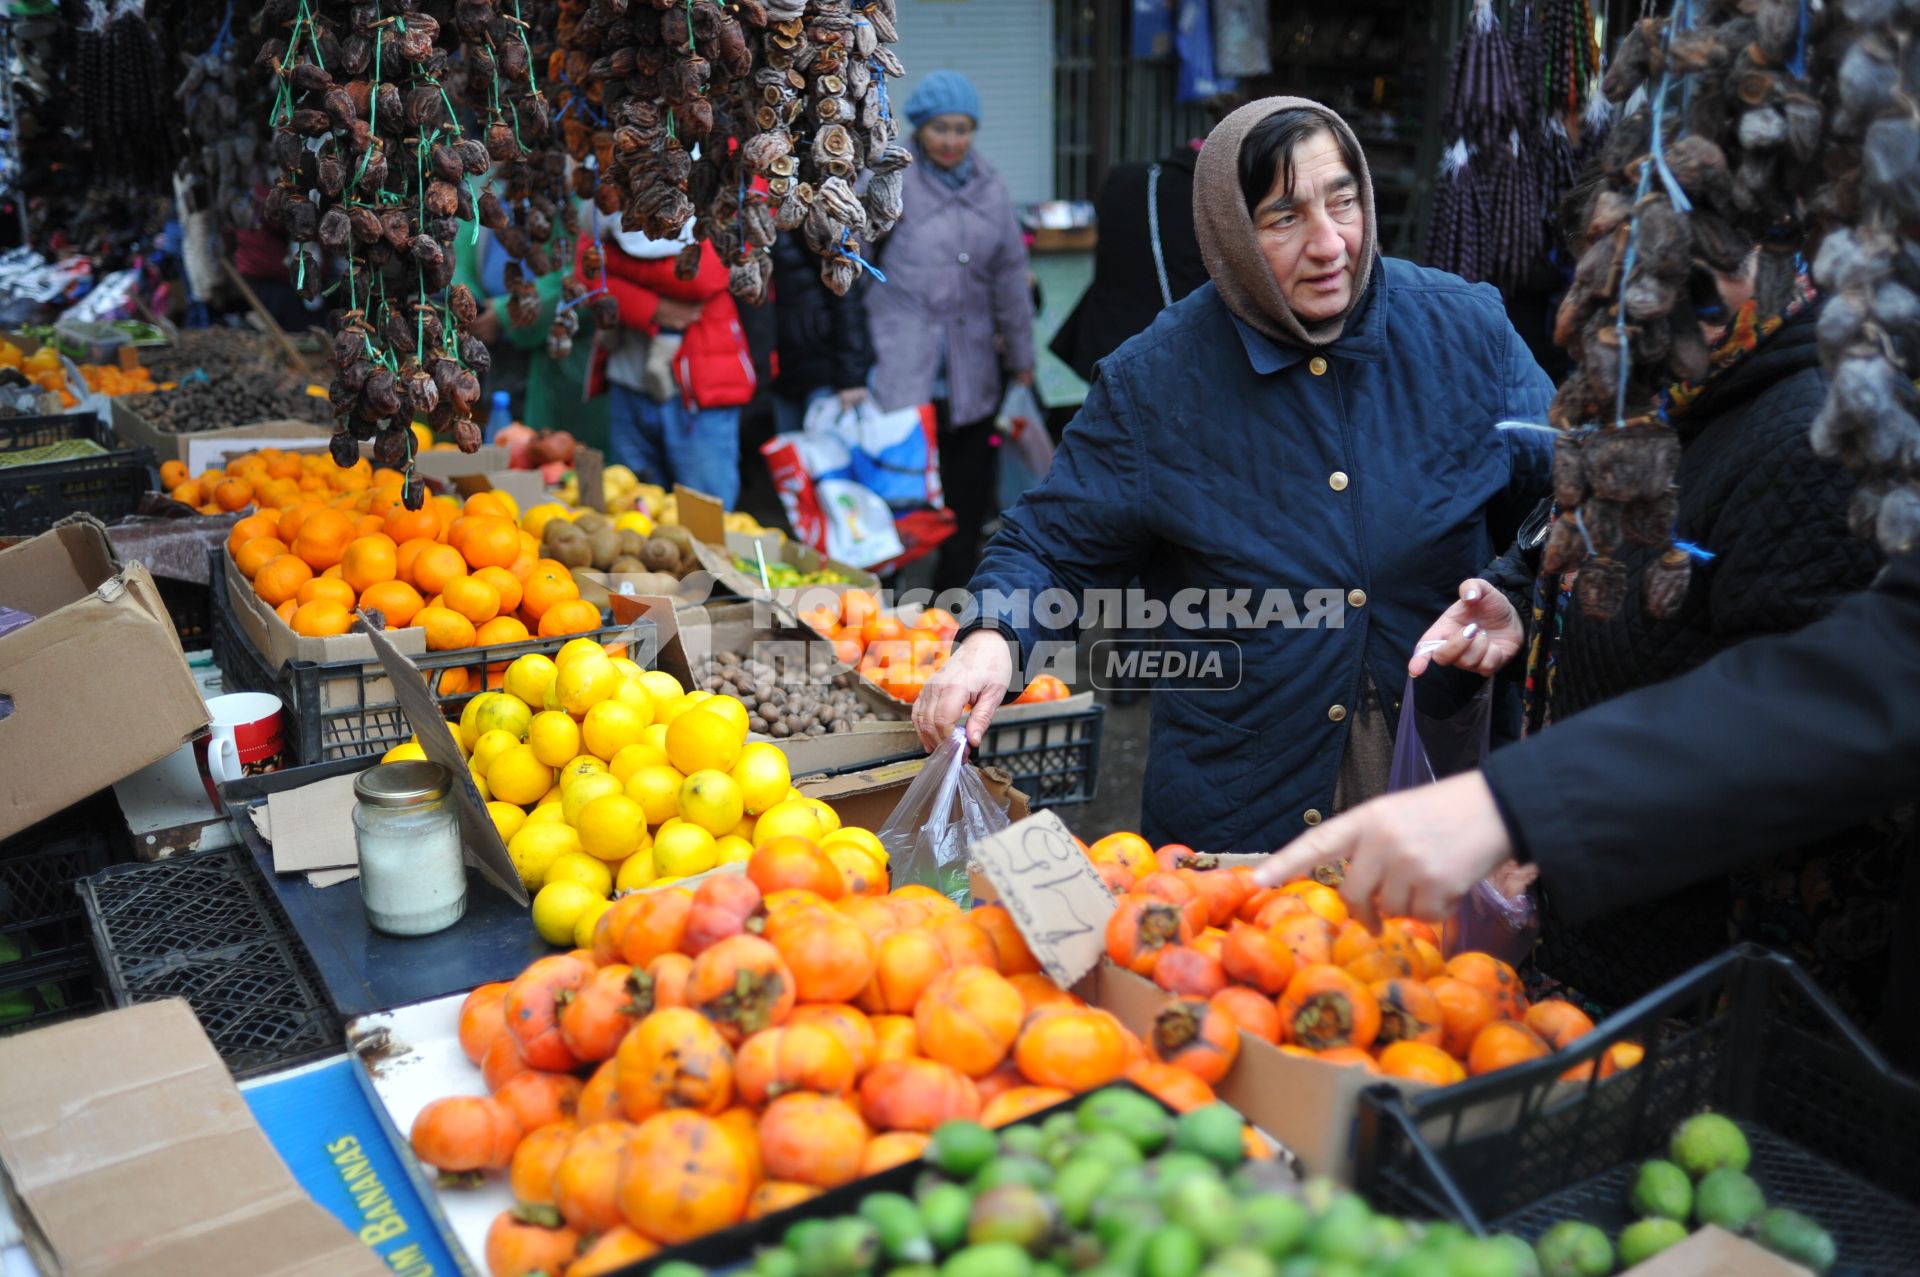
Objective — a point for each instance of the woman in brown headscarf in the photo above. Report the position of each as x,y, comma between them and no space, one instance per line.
1297,460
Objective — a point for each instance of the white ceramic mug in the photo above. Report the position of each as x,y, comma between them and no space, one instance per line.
244,738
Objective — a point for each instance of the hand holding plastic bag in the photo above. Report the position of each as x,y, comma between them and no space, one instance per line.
946,810
1437,740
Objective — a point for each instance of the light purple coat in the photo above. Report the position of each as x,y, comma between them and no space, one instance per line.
956,265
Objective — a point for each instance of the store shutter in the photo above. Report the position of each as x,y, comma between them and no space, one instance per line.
1006,48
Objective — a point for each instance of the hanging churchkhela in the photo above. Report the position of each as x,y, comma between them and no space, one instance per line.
685,108
1774,123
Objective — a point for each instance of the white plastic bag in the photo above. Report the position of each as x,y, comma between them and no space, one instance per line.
895,454
825,508
1025,428
946,810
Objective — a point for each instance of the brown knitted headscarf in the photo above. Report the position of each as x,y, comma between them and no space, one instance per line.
1229,246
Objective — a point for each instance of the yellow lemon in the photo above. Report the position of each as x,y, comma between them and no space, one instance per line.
407,751
635,756
633,692
854,836
793,796
663,687
665,714
798,818
585,681
506,818
696,742
468,733
480,783
589,918
711,800
669,880
628,669
828,815
636,871
684,850
584,789
518,776
503,713
763,776
588,871
574,648
581,765
657,790
656,736
554,736
534,522
538,844
558,907
730,709
529,677
551,812
612,827
732,850
744,829
612,725
489,747
633,520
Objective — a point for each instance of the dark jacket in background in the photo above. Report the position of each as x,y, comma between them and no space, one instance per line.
1775,517
822,339
1770,746
1125,293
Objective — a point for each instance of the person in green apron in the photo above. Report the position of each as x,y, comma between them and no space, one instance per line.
555,397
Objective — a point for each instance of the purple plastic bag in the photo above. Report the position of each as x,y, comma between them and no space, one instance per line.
1437,743
11,620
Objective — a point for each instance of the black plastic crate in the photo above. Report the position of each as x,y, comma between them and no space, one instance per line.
1832,1125
200,927
346,709
35,992
40,911
190,604
34,497
1055,761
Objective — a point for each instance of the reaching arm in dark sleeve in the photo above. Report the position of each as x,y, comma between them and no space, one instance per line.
1773,743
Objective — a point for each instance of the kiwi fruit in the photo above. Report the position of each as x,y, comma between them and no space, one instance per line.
676,534
631,543
591,521
626,564
594,593
660,555
605,546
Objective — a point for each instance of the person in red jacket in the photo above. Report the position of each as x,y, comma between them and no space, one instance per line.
676,368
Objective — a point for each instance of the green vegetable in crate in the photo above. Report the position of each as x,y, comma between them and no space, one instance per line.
1790,1234
1643,1239
1728,1198
784,576
1662,1190
1574,1248
1709,1141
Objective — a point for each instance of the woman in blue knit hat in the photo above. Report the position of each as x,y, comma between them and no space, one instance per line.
954,322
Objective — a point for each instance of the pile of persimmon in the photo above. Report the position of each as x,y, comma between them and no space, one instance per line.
1288,966
340,539
727,1051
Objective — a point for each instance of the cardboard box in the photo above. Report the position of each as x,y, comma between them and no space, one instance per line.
689,636
203,448
277,644
127,1149
98,683
1061,906
705,520
1715,1252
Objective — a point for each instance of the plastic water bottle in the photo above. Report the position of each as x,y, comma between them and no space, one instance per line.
501,417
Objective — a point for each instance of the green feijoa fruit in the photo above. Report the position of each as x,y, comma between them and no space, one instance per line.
995,1259
1573,1248
1789,1233
1127,1113
1013,1213
1728,1198
960,1149
1707,1142
1077,1185
1661,1190
1172,1251
1273,1223
943,1212
1214,1131
903,1233
1645,1238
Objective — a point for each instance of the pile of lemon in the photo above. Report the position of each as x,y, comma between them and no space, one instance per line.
605,778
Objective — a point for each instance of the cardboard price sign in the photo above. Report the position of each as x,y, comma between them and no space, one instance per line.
1054,893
